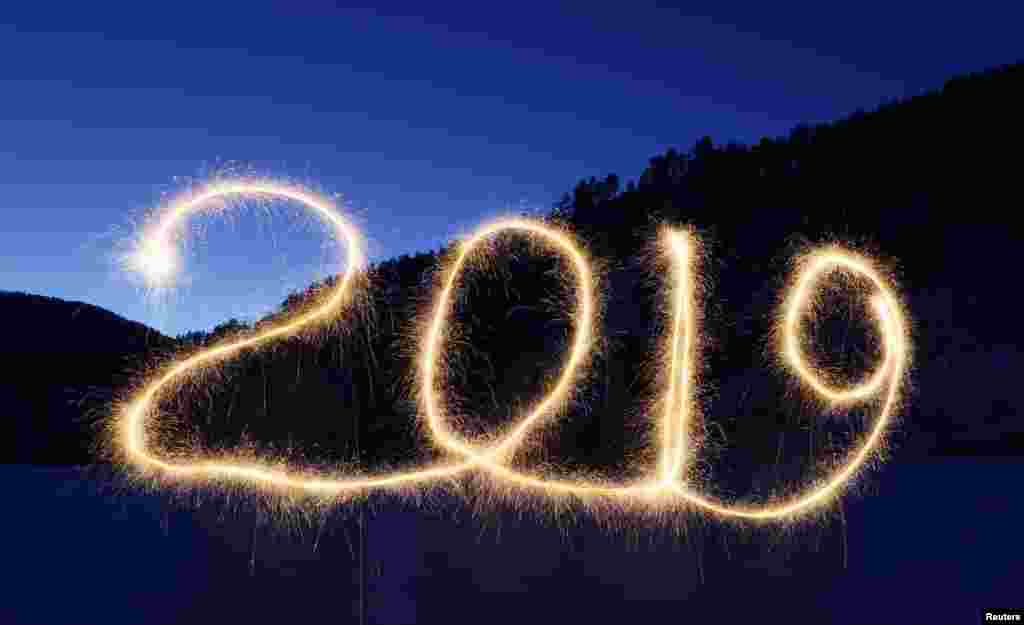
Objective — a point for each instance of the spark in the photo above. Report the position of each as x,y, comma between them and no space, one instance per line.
156,261
666,488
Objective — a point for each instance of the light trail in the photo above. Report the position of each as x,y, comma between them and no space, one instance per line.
678,402
668,488
432,400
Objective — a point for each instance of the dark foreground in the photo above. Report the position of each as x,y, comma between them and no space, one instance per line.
936,542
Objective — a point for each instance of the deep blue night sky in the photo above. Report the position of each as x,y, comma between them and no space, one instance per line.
426,124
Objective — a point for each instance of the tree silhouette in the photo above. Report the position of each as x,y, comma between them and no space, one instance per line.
922,178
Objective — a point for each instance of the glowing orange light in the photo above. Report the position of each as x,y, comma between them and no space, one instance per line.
667,487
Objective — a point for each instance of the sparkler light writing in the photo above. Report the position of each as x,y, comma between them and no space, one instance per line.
136,422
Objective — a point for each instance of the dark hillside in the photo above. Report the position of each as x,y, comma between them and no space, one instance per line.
63,359
930,181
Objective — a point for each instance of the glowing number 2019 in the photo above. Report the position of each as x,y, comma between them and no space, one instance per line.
668,486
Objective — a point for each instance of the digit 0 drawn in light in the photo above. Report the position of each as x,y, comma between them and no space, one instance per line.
666,488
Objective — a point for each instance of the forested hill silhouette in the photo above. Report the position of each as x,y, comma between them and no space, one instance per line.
62,362
929,181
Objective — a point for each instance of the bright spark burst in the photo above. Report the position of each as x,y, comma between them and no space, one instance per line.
156,261
667,488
